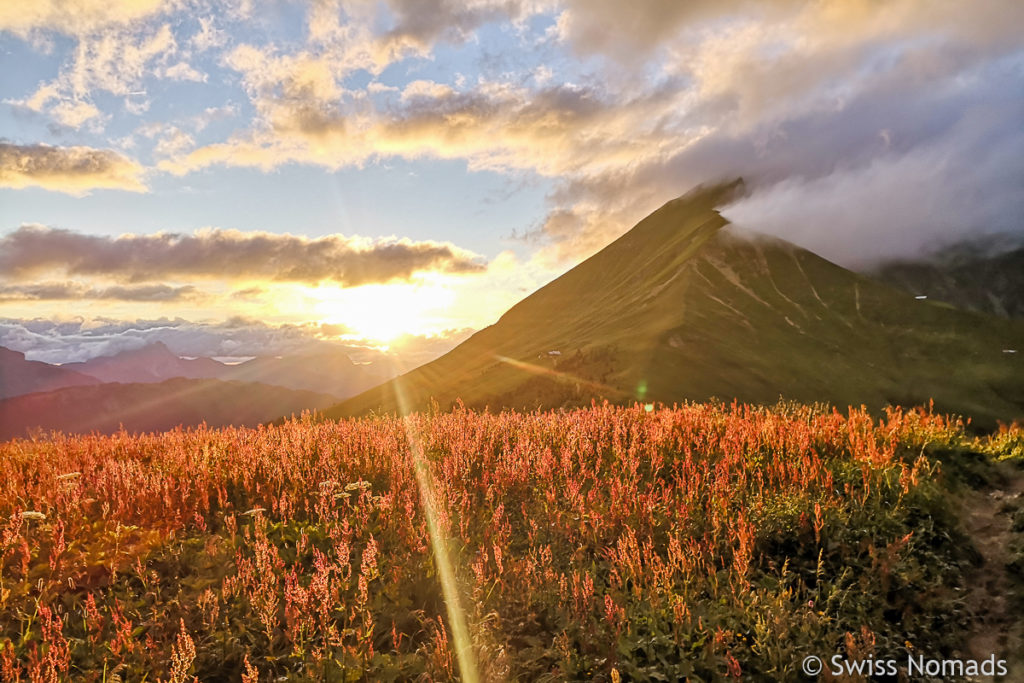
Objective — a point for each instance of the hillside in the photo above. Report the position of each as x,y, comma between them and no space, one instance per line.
19,376
978,279
152,407
151,363
324,370
684,306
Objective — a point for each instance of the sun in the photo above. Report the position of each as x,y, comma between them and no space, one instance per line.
383,313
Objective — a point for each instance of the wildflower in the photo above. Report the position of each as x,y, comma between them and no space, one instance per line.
32,514
183,654
252,512
69,476
250,674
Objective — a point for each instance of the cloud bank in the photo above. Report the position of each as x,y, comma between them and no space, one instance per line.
79,339
226,255
74,170
69,291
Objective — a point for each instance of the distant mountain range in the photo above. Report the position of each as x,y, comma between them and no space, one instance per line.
684,306
152,407
151,363
20,376
151,388
324,371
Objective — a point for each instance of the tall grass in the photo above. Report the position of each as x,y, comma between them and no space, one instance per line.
612,543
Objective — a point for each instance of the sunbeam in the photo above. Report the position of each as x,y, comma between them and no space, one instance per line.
439,544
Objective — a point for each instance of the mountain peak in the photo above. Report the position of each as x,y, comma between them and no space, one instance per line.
11,354
19,376
680,309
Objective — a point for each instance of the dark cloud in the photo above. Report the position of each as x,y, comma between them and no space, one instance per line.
74,170
637,30
424,22
888,149
631,31
66,291
225,254
62,341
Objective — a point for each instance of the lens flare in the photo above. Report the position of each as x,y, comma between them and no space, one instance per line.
439,544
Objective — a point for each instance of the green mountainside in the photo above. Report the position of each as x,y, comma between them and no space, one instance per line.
686,307
971,276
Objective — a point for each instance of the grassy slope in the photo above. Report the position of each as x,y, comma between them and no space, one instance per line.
152,407
684,307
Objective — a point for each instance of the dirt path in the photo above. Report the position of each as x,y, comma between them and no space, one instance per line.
990,591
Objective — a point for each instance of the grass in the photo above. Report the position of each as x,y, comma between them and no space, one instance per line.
606,543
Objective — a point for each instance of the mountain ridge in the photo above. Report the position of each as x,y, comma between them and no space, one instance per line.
19,376
152,406
978,277
325,371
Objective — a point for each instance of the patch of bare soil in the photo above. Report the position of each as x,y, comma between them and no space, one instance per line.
992,591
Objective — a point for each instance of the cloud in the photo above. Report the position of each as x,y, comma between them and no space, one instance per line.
73,170
227,255
558,130
79,339
620,106
640,27
66,291
864,132
903,205
74,18
425,22
209,36
183,71
774,92
116,61
646,29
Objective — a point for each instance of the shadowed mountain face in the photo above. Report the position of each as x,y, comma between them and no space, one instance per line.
965,276
151,363
685,307
19,376
327,371
152,407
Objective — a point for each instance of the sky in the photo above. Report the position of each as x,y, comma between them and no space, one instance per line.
250,177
